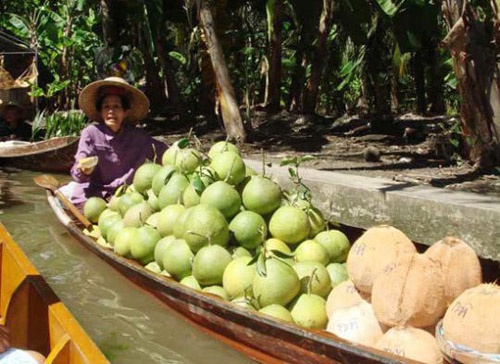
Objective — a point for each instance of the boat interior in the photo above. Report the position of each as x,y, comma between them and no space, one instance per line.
36,318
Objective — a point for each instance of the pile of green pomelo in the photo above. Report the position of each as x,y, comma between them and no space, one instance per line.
217,226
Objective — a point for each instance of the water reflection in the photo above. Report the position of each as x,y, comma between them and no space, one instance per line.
128,324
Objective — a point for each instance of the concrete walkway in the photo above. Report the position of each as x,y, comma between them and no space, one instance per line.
425,214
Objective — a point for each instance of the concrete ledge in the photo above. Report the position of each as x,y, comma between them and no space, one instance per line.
425,214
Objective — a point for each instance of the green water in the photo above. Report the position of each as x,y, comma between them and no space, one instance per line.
129,325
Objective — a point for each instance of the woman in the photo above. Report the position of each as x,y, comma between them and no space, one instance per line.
13,127
119,146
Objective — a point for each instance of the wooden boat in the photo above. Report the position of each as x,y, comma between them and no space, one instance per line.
260,337
53,155
36,318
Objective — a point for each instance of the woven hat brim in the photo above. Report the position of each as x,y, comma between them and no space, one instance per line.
139,103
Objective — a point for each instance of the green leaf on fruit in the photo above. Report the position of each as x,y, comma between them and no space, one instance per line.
261,266
183,143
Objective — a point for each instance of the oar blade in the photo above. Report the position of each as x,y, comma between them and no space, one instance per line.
47,181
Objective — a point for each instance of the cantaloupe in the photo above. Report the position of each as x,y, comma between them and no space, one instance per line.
377,247
473,319
410,291
460,266
411,343
343,295
356,323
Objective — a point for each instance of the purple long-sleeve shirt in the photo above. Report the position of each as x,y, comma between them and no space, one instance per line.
119,155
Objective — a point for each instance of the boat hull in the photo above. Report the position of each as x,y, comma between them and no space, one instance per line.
36,318
260,337
53,155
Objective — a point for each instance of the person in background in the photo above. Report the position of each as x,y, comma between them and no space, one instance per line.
10,355
120,147
12,123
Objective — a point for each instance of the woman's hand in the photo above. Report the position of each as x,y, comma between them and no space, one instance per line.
87,165
4,338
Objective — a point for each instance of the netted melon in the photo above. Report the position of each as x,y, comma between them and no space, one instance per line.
460,266
410,291
411,343
373,251
473,319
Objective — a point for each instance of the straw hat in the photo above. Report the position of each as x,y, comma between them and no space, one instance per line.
139,103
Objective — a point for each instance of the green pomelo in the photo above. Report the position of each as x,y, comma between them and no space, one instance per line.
187,160
180,223
311,250
316,221
289,224
217,291
143,248
153,267
280,285
261,195
248,229
152,200
170,154
168,219
336,243
171,193
107,222
229,167
106,213
190,197
93,207
277,244
250,172
309,311
243,302
223,197
205,225
160,249
113,231
153,220
221,147
338,273
209,264
239,251
278,312
319,284
128,200
113,203
238,277
143,176
161,178
191,282
177,259
123,240
137,215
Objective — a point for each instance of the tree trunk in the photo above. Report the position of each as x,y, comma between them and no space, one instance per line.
109,27
298,77
435,92
229,108
317,65
273,86
474,49
170,85
376,71
419,77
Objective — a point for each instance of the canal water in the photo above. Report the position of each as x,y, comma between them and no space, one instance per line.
129,325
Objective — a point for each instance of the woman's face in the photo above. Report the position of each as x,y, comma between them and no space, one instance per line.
112,112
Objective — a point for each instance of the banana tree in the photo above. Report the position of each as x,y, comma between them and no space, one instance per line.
473,41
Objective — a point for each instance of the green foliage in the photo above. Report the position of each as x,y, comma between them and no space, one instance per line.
59,123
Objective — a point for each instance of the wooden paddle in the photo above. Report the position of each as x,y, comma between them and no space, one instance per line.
51,183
